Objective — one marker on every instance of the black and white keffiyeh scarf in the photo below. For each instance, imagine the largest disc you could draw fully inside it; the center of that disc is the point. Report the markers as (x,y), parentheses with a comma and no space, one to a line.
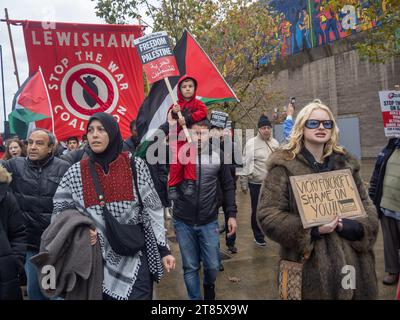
(120,272)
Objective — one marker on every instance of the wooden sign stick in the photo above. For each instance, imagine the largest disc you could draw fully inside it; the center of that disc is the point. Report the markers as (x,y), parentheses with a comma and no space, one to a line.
(174,100)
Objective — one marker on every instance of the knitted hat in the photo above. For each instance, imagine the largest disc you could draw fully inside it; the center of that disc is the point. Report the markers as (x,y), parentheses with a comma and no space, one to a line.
(264,121)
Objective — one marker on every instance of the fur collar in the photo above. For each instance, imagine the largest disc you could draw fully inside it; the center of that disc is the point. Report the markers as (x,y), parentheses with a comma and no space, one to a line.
(299,165)
(5,179)
(5,176)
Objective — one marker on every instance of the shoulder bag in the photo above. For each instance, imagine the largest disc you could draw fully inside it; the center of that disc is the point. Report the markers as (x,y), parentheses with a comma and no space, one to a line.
(124,239)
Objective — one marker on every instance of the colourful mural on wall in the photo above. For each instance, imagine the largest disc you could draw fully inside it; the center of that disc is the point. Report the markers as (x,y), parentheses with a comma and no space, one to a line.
(301,24)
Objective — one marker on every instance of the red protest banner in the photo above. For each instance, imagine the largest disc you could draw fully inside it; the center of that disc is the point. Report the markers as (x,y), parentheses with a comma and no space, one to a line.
(87,68)
(157,57)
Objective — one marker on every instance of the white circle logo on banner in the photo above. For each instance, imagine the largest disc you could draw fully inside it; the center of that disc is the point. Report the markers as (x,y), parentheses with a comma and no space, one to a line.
(88,88)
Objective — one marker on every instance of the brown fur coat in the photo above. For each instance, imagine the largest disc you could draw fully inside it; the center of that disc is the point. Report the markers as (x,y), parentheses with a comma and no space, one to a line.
(279,219)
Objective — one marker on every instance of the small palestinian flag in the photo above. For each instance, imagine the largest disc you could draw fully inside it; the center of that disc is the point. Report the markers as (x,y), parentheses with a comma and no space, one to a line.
(191,59)
(31,103)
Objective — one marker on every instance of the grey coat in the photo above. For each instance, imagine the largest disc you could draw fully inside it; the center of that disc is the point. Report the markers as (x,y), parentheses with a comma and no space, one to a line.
(78,265)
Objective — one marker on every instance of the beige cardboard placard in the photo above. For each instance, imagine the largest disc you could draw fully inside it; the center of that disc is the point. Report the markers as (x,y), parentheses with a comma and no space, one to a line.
(320,197)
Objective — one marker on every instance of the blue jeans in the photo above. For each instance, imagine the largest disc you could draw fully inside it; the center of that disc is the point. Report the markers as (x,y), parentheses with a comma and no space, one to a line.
(198,243)
(33,288)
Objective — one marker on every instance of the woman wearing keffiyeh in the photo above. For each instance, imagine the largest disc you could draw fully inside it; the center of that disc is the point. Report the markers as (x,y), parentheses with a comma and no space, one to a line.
(125,277)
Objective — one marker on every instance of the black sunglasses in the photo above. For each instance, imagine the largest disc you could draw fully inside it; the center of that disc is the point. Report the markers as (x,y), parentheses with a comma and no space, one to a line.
(314,124)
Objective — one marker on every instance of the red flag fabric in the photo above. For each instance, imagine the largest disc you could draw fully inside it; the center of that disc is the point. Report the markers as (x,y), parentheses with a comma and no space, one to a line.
(33,96)
(88,68)
(191,60)
(213,87)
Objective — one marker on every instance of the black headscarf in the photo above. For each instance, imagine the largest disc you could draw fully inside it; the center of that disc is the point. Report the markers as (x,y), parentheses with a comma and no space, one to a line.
(115,143)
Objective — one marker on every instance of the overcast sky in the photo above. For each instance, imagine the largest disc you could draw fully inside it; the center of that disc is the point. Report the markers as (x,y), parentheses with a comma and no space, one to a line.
(42,10)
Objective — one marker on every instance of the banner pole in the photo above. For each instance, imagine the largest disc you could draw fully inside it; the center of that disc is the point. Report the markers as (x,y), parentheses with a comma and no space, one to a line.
(174,100)
(6,133)
(12,47)
(48,98)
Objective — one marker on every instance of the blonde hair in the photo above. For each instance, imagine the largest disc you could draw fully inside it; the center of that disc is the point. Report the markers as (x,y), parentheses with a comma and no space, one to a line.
(296,141)
(5,176)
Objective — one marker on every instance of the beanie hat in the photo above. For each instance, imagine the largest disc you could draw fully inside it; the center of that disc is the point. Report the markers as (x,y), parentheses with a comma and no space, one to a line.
(264,121)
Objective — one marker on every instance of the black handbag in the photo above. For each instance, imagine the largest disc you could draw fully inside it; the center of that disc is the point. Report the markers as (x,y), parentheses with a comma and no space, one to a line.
(124,239)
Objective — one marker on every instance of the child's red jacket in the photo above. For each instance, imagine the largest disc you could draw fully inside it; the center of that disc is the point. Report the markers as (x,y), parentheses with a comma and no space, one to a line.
(193,110)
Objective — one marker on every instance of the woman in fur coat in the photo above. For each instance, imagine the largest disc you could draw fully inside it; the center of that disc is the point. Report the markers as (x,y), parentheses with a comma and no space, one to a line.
(329,249)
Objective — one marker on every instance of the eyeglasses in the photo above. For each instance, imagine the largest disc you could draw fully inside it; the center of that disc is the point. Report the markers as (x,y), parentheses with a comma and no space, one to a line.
(314,124)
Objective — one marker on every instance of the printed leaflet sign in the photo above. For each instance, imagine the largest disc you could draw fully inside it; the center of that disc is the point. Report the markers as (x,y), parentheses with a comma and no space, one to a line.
(390,106)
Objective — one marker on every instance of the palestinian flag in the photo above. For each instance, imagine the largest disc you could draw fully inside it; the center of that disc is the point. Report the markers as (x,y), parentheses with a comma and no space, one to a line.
(191,59)
(31,103)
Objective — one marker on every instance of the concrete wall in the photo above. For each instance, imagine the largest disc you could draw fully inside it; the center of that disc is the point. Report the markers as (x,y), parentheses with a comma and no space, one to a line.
(336,75)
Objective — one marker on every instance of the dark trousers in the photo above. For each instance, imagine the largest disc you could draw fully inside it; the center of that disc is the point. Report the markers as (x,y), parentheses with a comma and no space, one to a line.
(254,193)
(143,287)
(391,243)
(230,241)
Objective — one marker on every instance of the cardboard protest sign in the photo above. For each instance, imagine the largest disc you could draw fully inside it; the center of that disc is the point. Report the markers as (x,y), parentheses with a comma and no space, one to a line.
(320,197)
(219,119)
(157,56)
(390,106)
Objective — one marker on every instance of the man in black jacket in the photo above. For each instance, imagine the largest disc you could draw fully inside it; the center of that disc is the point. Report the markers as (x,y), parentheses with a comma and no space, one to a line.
(12,241)
(35,180)
(196,217)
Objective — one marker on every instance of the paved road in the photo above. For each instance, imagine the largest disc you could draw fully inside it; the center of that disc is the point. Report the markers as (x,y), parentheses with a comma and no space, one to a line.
(251,273)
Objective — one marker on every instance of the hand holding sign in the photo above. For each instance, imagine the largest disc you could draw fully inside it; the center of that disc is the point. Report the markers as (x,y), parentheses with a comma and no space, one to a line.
(329,227)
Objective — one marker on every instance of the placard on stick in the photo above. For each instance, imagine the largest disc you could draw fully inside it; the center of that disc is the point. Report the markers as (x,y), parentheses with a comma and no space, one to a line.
(157,56)
(219,119)
(159,63)
(320,197)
